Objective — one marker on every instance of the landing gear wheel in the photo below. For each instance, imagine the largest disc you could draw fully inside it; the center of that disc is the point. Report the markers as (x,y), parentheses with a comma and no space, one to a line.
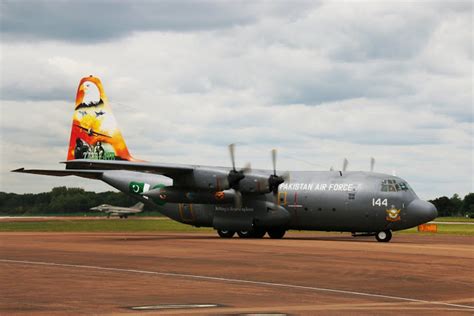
(276,233)
(223,233)
(258,233)
(383,236)
(245,233)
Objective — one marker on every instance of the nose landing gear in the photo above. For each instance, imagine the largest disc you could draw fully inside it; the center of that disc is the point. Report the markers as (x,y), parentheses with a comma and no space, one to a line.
(383,236)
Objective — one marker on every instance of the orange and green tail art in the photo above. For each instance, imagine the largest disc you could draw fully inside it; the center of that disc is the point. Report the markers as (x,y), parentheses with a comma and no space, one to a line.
(94,132)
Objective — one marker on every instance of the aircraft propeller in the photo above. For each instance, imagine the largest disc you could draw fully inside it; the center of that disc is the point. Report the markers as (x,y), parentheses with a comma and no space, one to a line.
(235,176)
(372,164)
(275,180)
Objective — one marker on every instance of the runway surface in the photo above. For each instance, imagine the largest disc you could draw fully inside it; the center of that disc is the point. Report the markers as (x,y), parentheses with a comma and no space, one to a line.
(303,274)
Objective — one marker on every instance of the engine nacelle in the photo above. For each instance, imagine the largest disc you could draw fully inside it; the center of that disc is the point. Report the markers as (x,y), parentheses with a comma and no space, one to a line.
(254,184)
(203,179)
(178,195)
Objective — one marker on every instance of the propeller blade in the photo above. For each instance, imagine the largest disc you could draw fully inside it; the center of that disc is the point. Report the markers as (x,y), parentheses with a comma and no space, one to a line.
(275,198)
(345,164)
(237,199)
(232,155)
(247,168)
(372,164)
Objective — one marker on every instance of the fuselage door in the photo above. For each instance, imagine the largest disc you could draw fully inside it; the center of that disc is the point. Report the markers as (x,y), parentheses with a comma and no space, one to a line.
(186,212)
(282,198)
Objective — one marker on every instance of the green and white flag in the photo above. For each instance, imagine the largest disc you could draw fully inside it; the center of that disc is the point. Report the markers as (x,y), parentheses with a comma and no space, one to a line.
(138,187)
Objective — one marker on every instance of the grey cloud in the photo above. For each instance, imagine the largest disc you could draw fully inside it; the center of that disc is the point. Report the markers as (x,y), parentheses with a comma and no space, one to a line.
(93,21)
(12,91)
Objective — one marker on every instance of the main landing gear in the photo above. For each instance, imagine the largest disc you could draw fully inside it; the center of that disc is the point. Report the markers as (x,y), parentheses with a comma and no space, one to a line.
(225,233)
(275,233)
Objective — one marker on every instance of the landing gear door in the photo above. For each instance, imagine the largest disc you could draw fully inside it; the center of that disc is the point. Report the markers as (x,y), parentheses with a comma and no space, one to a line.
(228,218)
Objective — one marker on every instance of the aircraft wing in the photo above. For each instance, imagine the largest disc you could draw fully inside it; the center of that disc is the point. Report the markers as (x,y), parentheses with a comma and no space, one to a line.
(91,174)
(169,170)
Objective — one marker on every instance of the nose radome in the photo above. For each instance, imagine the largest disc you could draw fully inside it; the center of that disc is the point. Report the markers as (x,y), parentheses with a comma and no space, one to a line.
(424,211)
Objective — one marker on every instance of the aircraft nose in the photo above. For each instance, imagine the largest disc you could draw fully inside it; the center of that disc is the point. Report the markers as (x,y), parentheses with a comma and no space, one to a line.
(424,211)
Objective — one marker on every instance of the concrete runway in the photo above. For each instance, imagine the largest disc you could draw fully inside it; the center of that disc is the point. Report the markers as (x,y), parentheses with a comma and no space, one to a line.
(303,274)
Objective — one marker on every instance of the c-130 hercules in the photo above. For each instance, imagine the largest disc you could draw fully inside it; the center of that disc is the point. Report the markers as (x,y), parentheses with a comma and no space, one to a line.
(249,202)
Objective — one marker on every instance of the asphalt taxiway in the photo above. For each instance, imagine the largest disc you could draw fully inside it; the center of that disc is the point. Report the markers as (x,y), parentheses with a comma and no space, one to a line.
(185,273)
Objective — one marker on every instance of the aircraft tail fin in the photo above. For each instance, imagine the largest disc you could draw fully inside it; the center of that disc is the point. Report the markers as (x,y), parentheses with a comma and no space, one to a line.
(138,206)
(94,132)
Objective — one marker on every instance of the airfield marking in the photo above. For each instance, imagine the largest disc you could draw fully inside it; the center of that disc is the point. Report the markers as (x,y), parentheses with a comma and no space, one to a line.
(242,281)
(173,306)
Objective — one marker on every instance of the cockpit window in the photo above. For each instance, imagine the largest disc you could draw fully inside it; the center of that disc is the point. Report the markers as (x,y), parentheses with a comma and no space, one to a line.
(391,185)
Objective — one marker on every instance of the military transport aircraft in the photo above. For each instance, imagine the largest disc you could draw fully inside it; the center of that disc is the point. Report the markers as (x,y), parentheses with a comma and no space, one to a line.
(249,202)
(119,211)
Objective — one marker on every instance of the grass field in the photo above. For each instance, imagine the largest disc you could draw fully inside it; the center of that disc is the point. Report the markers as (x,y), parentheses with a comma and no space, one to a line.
(454,219)
(462,230)
(100,225)
(159,225)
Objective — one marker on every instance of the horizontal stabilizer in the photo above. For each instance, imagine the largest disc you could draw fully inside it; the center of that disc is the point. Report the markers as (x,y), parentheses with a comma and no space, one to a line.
(91,174)
(139,206)
(169,170)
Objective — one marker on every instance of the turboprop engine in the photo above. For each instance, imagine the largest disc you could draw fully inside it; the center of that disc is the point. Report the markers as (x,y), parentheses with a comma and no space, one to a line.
(176,195)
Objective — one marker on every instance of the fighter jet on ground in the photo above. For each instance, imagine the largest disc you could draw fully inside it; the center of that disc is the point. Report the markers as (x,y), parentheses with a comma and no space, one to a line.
(247,201)
(119,211)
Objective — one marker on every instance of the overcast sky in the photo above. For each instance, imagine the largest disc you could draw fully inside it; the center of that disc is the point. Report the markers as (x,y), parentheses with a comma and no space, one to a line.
(320,81)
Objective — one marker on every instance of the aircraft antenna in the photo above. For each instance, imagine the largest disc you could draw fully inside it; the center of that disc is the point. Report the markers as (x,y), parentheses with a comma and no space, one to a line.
(372,164)
(345,163)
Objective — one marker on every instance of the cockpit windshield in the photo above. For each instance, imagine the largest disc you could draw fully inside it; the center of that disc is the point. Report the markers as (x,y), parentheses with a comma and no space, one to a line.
(392,185)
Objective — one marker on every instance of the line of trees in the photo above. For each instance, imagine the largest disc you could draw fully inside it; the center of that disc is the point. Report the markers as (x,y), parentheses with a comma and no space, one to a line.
(455,206)
(59,200)
(73,200)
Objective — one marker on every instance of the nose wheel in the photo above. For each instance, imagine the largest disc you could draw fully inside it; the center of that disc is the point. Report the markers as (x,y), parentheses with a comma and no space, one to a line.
(383,236)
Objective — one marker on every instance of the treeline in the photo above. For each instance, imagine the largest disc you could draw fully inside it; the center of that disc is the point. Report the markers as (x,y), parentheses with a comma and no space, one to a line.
(59,200)
(455,206)
(74,200)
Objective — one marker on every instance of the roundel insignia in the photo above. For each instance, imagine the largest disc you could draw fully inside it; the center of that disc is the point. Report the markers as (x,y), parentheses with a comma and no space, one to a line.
(393,214)
(219,195)
(162,200)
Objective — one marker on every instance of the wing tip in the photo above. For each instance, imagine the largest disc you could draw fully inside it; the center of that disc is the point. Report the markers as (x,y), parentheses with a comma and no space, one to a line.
(18,170)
